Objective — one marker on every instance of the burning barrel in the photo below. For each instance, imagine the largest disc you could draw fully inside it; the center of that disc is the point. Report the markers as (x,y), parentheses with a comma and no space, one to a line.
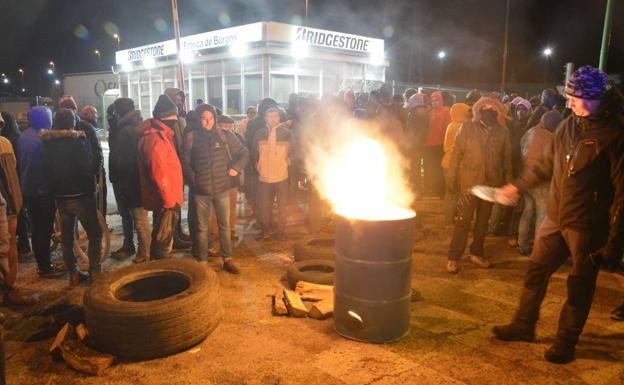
(373,277)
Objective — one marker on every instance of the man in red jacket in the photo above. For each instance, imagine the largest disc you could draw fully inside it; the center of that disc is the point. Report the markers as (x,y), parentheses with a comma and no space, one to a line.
(160,172)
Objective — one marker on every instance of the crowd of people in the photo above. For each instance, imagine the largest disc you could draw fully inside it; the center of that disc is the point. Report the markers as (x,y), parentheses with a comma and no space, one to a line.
(563,166)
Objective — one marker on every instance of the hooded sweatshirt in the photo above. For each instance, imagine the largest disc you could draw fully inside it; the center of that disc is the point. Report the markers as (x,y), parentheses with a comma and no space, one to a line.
(460,112)
(439,119)
(29,151)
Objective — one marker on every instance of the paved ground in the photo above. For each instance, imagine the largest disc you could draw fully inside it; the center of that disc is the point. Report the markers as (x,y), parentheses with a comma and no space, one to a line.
(449,342)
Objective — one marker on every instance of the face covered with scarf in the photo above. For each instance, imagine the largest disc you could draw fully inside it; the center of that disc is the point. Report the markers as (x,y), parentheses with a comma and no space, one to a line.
(489,115)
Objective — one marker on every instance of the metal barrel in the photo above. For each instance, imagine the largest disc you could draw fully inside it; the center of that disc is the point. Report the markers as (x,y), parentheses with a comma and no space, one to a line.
(373,278)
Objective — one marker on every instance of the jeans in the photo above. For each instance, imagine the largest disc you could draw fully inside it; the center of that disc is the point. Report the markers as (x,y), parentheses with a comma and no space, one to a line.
(143,230)
(41,210)
(23,242)
(127,224)
(214,226)
(203,208)
(162,233)
(267,193)
(532,215)
(85,209)
(467,204)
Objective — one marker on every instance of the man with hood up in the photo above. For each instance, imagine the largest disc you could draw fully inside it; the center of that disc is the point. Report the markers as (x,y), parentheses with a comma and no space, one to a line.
(251,174)
(439,119)
(37,195)
(585,210)
(160,173)
(70,172)
(460,112)
(481,155)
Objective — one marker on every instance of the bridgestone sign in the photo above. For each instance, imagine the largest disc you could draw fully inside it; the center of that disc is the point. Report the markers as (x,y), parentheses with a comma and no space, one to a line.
(332,39)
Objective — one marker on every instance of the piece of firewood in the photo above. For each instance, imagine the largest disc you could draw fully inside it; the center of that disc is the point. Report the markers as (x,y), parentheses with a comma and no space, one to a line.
(296,308)
(84,359)
(278,306)
(322,309)
(82,332)
(66,333)
(314,292)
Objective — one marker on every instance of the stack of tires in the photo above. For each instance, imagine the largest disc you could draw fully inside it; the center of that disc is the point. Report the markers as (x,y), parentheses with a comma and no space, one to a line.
(153,309)
(314,261)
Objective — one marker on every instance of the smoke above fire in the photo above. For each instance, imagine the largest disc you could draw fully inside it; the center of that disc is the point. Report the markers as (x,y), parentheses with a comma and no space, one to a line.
(358,170)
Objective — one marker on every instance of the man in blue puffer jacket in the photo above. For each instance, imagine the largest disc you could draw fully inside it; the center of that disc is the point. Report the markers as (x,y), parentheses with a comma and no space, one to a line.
(37,196)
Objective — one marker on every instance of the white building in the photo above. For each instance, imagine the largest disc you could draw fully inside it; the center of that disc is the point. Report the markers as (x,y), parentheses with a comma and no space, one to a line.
(236,67)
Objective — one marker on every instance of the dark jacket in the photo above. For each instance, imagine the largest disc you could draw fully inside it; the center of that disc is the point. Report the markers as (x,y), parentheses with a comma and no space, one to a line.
(585,165)
(68,163)
(206,161)
(128,185)
(29,146)
(94,143)
(533,144)
(9,181)
(417,125)
(160,170)
(113,151)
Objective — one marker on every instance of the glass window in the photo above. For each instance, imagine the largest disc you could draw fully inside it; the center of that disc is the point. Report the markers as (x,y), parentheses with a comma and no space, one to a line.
(213,68)
(214,92)
(253,90)
(353,71)
(309,85)
(331,84)
(309,67)
(232,66)
(281,87)
(375,72)
(282,64)
(198,90)
(253,64)
(145,106)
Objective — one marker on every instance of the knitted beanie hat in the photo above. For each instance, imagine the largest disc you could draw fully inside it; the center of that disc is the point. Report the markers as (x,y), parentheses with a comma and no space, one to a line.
(587,82)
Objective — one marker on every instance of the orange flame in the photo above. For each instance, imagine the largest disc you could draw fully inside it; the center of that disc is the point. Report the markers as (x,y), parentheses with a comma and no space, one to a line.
(359,173)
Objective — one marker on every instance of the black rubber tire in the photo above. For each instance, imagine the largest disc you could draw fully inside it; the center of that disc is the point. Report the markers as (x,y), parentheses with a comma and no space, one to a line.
(321,271)
(153,328)
(315,247)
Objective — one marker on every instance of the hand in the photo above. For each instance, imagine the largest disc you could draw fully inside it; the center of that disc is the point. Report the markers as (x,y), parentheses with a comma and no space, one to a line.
(610,255)
(233,172)
(510,192)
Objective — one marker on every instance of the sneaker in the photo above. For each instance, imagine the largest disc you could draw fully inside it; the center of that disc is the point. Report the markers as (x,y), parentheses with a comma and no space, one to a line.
(479,261)
(76,277)
(560,353)
(452,267)
(230,267)
(52,272)
(524,251)
(513,332)
(123,253)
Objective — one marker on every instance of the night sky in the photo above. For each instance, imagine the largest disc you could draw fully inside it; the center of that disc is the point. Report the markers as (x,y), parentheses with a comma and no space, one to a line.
(33,32)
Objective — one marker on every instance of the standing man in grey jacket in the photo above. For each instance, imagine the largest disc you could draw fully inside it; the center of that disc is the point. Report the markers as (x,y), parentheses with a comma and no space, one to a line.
(271,155)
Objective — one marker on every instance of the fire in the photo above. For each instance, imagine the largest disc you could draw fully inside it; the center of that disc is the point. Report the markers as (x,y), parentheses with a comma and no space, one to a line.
(360,175)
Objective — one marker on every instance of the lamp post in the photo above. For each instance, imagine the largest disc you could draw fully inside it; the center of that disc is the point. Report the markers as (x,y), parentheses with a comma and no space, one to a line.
(547,53)
(441,57)
(52,65)
(98,54)
(117,39)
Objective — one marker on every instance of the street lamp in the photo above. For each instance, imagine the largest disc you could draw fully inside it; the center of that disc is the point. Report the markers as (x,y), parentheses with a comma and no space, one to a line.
(52,65)
(547,51)
(21,72)
(441,55)
(98,54)
(50,71)
(57,82)
(118,39)
(5,80)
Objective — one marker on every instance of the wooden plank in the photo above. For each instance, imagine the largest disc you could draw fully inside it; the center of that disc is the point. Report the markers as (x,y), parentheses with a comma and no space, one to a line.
(278,306)
(84,359)
(322,309)
(296,308)
(66,333)
(314,292)
(82,332)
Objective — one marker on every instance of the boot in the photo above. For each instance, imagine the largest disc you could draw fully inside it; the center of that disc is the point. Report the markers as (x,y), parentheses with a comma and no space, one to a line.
(76,277)
(522,328)
(123,252)
(179,243)
(561,352)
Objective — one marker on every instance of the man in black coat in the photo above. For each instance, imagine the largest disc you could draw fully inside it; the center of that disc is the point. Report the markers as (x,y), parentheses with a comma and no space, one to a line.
(70,171)
(585,219)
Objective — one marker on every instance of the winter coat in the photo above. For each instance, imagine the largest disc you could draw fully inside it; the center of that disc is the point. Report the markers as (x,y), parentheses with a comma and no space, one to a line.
(128,185)
(94,143)
(10,130)
(585,166)
(460,112)
(9,181)
(439,119)
(113,151)
(29,150)
(255,125)
(5,243)
(68,163)
(271,153)
(534,143)
(517,129)
(160,170)
(481,155)
(417,126)
(206,160)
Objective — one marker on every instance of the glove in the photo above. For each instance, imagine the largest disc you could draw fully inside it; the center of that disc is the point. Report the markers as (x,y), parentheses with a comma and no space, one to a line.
(609,256)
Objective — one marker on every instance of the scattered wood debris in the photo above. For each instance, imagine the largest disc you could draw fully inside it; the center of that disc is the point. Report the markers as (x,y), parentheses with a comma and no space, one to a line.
(84,359)
(278,306)
(314,292)
(66,333)
(296,308)
(322,309)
